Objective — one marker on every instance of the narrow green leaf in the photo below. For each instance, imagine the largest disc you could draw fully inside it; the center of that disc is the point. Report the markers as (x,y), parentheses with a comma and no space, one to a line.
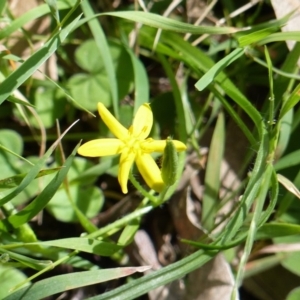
(32,14)
(258,208)
(292,100)
(272,230)
(81,244)
(40,201)
(234,114)
(273,196)
(102,45)
(141,83)
(209,76)
(234,224)
(182,121)
(14,99)
(287,161)
(256,36)
(3,5)
(212,175)
(281,36)
(286,123)
(14,181)
(15,79)
(129,232)
(27,261)
(33,172)
(281,83)
(201,63)
(53,8)
(271,86)
(165,23)
(62,283)
(138,287)
(170,163)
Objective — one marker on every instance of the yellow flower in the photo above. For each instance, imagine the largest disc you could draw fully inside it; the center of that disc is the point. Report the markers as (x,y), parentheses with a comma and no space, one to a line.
(134,146)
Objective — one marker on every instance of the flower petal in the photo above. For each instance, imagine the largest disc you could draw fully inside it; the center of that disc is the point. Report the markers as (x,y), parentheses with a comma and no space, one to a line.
(142,122)
(101,147)
(150,171)
(151,145)
(112,123)
(126,161)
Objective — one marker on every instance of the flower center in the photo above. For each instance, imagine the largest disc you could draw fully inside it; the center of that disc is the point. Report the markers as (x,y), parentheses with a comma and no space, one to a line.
(132,144)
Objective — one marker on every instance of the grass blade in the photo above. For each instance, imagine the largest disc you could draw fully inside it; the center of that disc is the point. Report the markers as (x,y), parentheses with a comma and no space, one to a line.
(20,75)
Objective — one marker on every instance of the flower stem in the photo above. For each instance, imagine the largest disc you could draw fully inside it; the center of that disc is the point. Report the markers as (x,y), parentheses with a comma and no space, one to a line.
(137,185)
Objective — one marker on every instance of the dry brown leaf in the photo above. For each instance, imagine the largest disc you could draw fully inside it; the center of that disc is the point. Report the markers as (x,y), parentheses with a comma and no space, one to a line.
(145,254)
(279,248)
(212,281)
(282,8)
(288,185)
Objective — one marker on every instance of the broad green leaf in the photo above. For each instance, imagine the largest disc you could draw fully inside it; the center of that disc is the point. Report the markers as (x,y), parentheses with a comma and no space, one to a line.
(294,294)
(89,89)
(61,208)
(11,147)
(9,277)
(87,56)
(49,103)
(11,140)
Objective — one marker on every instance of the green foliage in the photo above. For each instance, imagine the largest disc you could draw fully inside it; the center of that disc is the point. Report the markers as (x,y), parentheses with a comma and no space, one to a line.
(57,208)
(86,88)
